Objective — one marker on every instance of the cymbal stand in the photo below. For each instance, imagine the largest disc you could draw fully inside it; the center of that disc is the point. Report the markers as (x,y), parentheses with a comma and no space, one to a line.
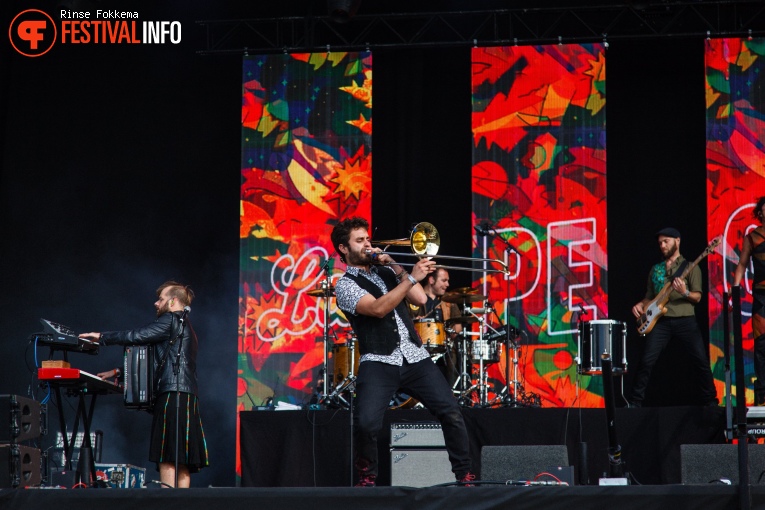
(463,384)
(484,353)
(483,377)
(506,398)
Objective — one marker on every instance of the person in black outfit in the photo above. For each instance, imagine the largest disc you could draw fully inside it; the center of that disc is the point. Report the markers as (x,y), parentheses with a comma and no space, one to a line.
(392,355)
(170,334)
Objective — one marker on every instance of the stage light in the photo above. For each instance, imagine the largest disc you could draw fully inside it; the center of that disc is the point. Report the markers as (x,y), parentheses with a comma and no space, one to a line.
(341,11)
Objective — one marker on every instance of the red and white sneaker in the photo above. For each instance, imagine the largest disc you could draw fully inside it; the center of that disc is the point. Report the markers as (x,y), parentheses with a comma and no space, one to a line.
(367,481)
(467,479)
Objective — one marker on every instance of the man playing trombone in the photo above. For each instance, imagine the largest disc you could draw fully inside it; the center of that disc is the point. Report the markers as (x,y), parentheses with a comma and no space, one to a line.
(372,295)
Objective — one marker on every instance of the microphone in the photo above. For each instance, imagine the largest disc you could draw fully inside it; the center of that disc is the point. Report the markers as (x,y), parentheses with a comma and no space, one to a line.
(482,229)
(186,309)
(374,256)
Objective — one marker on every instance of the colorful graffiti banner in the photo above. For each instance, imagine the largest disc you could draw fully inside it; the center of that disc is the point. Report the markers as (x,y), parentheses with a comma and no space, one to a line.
(735,150)
(539,179)
(306,162)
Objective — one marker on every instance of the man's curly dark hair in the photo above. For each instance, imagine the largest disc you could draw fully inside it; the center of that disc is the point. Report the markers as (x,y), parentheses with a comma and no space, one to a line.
(341,234)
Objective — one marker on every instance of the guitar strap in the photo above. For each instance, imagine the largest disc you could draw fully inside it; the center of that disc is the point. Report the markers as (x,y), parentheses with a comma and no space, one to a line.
(679,270)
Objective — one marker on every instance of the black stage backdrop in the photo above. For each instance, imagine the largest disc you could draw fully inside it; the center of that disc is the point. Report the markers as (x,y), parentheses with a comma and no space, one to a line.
(120,169)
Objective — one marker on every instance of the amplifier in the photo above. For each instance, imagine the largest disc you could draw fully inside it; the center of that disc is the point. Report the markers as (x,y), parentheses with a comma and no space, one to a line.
(122,476)
(416,435)
(412,467)
(20,466)
(139,377)
(21,419)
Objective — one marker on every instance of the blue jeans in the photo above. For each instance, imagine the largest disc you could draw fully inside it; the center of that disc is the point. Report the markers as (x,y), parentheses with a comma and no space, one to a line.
(677,329)
(375,386)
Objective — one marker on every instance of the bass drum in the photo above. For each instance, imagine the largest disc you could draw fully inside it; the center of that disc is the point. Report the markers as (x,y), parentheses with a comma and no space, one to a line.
(403,401)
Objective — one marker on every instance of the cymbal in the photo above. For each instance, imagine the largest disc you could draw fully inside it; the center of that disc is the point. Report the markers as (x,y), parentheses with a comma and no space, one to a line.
(330,292)
(453,297)
(468,319)
(464,290)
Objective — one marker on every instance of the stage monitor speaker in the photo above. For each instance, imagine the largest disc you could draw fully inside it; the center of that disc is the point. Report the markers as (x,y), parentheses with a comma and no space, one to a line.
(65,478)
(21,419)
(521,462)
(414,467)
(19,466)
(708,463)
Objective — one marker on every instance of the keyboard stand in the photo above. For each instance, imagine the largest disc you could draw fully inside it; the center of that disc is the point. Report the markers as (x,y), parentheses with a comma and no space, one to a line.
(86,469)
(82,385)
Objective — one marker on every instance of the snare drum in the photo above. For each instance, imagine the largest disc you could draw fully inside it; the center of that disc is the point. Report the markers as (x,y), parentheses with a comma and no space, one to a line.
(488,351)
(598,337)
(342,363)
(432,333)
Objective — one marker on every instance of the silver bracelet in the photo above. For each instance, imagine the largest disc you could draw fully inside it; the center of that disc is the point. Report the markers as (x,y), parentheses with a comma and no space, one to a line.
(412,280)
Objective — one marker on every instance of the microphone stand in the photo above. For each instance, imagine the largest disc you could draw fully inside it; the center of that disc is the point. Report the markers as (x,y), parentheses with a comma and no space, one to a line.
(508,400)
(615,462)
(326,286)
(176,375)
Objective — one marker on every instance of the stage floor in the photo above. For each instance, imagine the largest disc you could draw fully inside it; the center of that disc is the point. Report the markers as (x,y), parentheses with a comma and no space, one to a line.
(673,497)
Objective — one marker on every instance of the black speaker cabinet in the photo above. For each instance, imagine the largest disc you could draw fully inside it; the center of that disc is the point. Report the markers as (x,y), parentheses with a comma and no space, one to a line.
(415,467)
(521,462)
(21,419)
(708,463)
(19,466)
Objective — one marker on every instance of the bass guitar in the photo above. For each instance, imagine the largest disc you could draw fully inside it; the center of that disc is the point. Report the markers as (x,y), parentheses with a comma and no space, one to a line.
(658,307)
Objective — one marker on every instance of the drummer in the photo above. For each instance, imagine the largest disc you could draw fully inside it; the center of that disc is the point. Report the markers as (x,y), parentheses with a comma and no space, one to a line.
(435,286)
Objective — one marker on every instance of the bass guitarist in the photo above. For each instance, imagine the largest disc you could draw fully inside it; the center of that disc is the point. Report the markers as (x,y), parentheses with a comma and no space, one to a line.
(678,323)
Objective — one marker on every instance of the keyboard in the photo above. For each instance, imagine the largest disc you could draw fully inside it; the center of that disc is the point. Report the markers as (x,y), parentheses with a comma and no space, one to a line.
(59,336)
(73,377)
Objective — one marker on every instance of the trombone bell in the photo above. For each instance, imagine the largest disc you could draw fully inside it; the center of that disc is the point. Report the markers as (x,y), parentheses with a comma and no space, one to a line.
(425,239)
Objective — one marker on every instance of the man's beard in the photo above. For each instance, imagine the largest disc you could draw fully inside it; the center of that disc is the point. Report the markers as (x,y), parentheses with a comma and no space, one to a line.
(163,309)
(672,250)
(358,258)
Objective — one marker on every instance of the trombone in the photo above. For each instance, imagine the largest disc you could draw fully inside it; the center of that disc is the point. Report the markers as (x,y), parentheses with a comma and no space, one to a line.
(425,241)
